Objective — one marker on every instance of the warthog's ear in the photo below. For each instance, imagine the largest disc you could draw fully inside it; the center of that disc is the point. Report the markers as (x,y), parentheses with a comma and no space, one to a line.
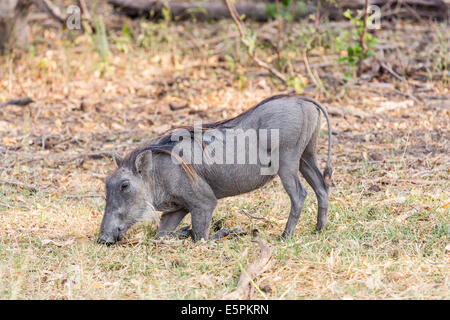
(117,159)
(143,161)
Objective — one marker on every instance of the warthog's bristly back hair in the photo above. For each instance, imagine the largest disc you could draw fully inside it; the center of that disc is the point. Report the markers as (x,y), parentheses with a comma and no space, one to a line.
(165,144)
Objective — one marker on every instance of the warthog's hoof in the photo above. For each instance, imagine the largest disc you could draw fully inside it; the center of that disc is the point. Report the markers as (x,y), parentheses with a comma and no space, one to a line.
(182,233)
(227,231)
(322,220)
(284,236)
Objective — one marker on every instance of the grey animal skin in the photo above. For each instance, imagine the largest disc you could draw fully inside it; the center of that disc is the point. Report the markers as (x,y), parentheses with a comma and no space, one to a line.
(148,180)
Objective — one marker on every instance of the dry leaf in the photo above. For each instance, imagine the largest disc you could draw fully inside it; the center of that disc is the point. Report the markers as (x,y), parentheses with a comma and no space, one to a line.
(57,243)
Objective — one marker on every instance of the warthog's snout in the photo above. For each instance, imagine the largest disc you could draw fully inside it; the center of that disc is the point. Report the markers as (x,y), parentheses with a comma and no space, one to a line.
(106,238)
(111,237)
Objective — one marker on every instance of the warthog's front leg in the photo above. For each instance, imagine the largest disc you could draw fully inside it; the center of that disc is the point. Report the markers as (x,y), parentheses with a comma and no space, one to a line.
(201,202)
(169,221)
(201,220)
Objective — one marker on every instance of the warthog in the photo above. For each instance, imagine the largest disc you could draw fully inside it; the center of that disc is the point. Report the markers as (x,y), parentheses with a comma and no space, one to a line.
(162,176)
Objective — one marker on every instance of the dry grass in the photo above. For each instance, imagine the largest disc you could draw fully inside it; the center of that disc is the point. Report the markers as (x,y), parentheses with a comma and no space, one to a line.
(366,253)
(389,223)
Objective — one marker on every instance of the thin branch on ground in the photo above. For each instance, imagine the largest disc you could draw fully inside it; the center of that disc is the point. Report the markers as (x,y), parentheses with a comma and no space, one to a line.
(318,13)
(52,10)
(80,196)
(85,10)
(251,216)
(242,32)
(20,184)
(17,102)
(280,30)
(395,74)
(314,76)
(251,271)
(362,40)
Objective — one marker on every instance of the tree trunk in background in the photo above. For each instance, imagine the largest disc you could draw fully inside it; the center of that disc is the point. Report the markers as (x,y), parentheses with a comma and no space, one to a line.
(13,24)
(256,10)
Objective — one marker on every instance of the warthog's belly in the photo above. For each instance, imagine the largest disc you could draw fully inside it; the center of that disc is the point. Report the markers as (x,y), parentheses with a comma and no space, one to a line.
(231,180)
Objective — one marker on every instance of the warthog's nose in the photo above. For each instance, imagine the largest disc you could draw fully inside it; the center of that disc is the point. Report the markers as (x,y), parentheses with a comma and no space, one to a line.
(106,239)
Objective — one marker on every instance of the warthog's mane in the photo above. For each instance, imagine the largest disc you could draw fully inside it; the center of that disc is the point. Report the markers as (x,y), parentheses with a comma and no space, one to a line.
(165,139)
(164,144)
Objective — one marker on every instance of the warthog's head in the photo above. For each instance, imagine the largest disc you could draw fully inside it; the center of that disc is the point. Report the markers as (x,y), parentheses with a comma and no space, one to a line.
(128,198)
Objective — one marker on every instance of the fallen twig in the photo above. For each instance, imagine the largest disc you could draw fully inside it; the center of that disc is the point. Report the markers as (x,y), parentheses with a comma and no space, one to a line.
(17,102)
(395,74)
(241,29)
(52,10)
(343,111)
(58,243)
(20,184)
(280,31)
(246,283)
(362,43)
(93,155)
(392,105)
(409,95)
(85,10)
(272,70)
(251,216)
(314,76)
(80,196)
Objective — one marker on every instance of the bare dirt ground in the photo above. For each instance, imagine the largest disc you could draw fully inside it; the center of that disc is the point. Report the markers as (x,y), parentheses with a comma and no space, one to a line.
(389,221)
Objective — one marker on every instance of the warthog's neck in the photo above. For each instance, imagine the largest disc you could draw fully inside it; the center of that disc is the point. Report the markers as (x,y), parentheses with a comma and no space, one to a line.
(157,196)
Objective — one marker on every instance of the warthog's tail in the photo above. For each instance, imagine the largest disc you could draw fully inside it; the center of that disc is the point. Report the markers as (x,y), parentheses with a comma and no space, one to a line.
(328,171)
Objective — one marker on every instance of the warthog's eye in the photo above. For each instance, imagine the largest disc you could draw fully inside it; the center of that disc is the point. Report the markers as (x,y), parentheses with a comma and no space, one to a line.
(124,186)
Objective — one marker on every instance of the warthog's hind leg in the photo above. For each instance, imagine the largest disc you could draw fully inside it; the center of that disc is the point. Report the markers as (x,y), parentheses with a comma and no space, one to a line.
(290,179)
(312,174)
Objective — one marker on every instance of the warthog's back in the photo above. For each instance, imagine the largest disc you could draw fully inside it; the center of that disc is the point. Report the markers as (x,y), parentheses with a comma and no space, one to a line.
(258,137)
